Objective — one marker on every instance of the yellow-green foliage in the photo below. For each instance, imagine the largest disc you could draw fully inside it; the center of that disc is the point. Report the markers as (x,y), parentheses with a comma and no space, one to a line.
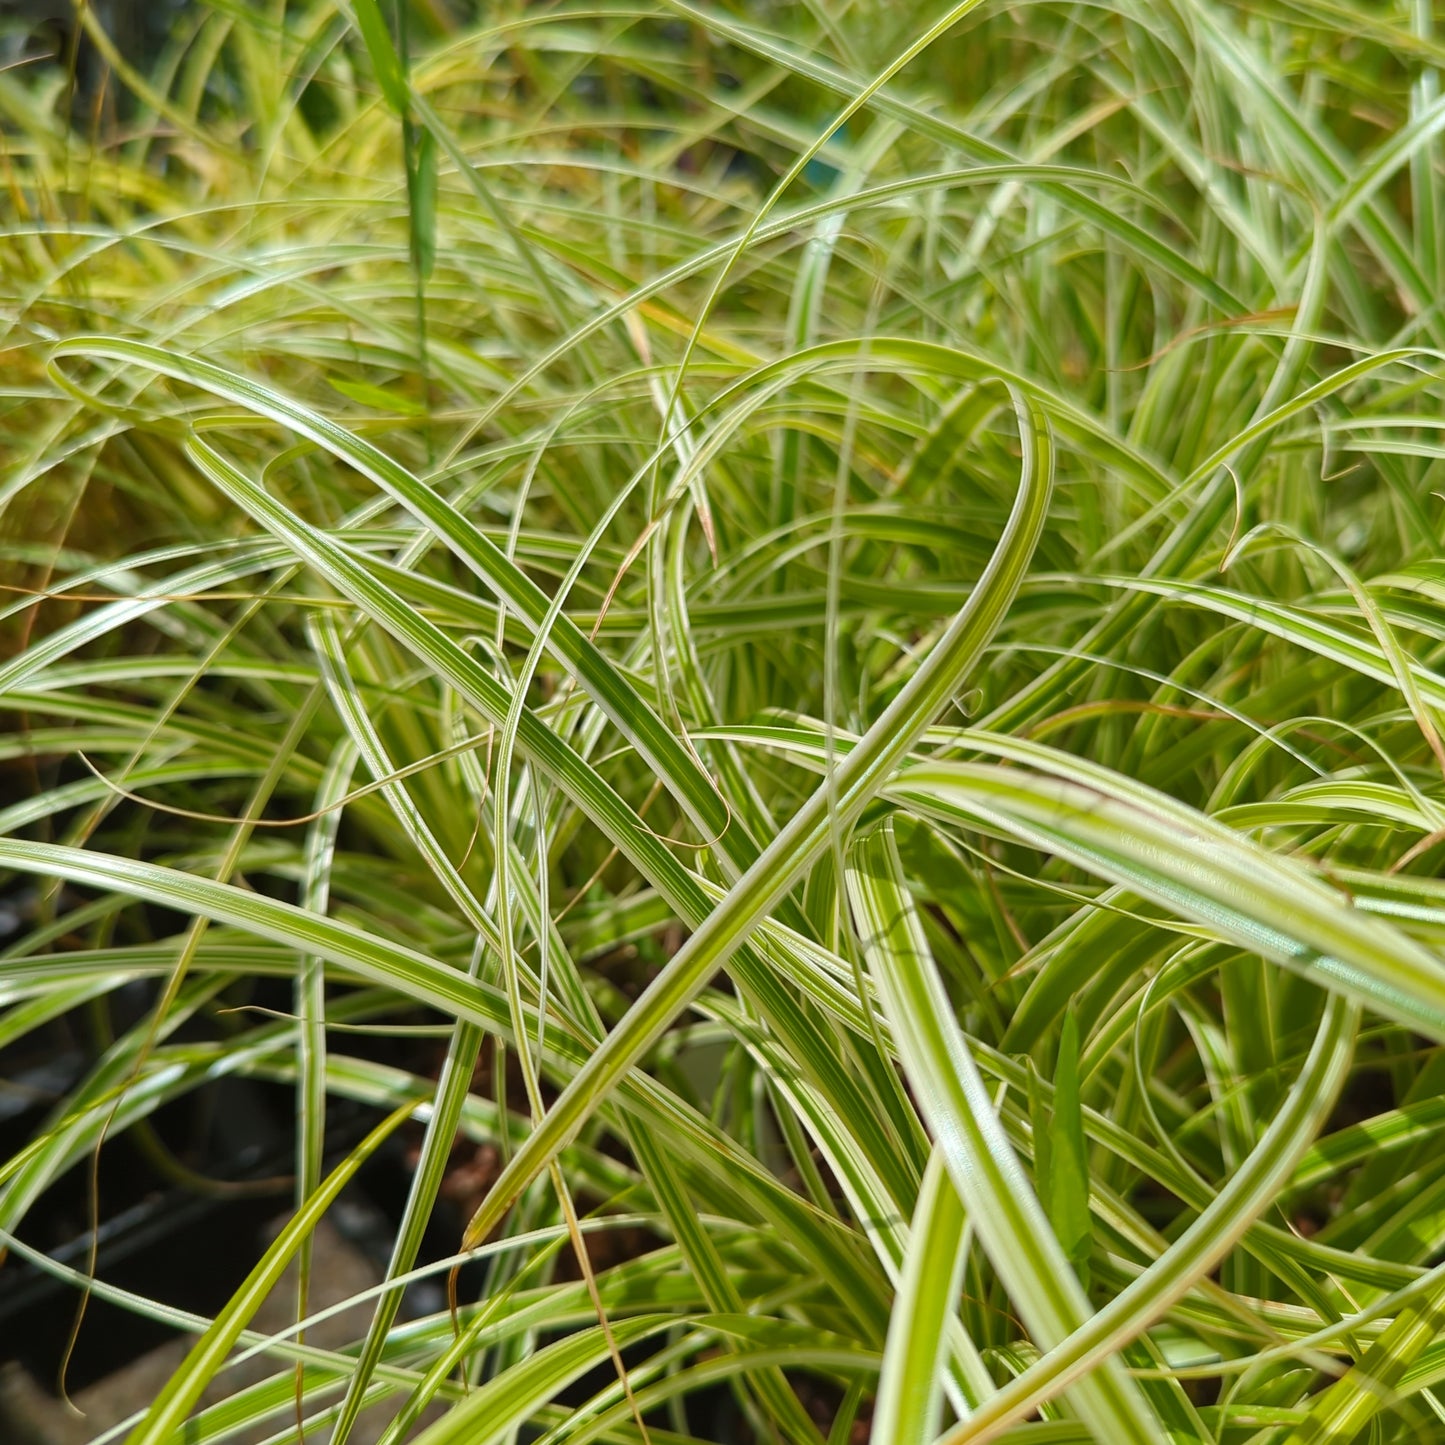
(850,595)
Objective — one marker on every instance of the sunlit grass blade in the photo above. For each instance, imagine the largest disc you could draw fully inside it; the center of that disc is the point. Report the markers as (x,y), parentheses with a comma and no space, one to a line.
(910,1387)
(174,1403)
(1010,1223)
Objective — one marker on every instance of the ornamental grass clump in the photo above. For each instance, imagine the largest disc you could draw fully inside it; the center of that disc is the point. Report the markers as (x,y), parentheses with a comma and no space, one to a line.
(815,631)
